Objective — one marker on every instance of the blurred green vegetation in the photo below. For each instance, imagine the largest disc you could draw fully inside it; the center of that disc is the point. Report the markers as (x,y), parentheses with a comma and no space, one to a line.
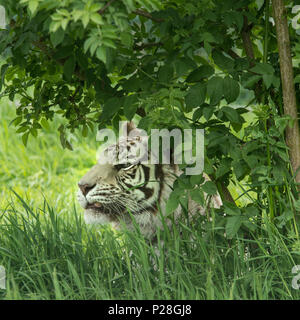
(43,168)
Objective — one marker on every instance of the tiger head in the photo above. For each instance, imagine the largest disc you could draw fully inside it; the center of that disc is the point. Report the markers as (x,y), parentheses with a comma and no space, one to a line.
(114,192)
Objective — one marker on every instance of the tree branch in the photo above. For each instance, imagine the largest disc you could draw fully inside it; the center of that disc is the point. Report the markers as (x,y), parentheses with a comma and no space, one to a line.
(247,42)
(40,45)
(105,6)
(147,45)
(222,189)
(147,15)
(288,88)
(233,54)
(138,12)
(227,195)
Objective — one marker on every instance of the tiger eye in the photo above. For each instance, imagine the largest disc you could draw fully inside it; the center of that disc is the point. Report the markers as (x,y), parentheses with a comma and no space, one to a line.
(121,166)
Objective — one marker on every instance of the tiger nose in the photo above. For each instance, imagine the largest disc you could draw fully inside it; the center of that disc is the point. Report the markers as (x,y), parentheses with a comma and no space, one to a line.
(85,188)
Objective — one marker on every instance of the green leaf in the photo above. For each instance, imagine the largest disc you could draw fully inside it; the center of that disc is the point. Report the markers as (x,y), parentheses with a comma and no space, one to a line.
(284,218)
(215,90)
(268,78)
(297,204)
(197,114)
(165,73)
(195,96)
(232,115)
(33,5)
(225,167)
(77,14)
(282,122)
(45,124)
(85,130)
(249,225)
(34,132)
(184,183)
(130,5)
(231,209)
(233,225)
(25,138)
(225,63)
(22,129)
(263,68)
(233,17)
(93,47)
(95,17)
(126,39)
(85,18)
(183,66)
(198,196)
(69,68)
(87,43)
(201,73)
(16,121)
(57,37)
(248,84)
(110,107)
(62,136)
(130,106)
(63,52)
(240,169)
(64,24)
(196,179)
(68,145)
(210,188)
(109,43)
(101,54)
(95,7)
(3,70)
(172,203)
(297,79)
(251,211)
(208,112)
(231,89)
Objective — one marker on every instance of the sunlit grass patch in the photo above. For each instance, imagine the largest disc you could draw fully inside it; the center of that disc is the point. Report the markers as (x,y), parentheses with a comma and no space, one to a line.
(43,167)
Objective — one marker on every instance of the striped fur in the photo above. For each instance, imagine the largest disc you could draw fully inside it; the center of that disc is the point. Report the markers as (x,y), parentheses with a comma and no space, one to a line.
(108,192)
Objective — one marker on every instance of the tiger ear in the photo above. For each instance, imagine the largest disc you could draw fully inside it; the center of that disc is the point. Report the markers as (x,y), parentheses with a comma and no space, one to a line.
(130,130)
(128,126)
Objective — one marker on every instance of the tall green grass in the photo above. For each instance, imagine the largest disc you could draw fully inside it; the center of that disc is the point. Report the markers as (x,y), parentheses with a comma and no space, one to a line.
(50,256)
(49,252)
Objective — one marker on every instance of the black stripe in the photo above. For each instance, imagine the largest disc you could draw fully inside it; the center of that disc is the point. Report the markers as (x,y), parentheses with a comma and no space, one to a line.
(146,172)
(159,175)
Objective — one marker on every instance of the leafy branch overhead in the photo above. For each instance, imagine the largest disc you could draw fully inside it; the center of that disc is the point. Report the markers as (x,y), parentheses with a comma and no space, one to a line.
(209,64)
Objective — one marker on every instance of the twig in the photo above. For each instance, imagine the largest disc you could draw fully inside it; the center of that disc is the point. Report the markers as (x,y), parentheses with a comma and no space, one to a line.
(147,45)
(40,45)
(147,15)
(233,54)
(106,6)
(138,12)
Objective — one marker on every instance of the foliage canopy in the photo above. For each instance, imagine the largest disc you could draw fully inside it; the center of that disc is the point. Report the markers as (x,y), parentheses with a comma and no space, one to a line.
(208,64)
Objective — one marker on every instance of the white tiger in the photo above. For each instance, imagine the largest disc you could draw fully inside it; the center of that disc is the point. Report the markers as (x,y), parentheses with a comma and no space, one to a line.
(108,192)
